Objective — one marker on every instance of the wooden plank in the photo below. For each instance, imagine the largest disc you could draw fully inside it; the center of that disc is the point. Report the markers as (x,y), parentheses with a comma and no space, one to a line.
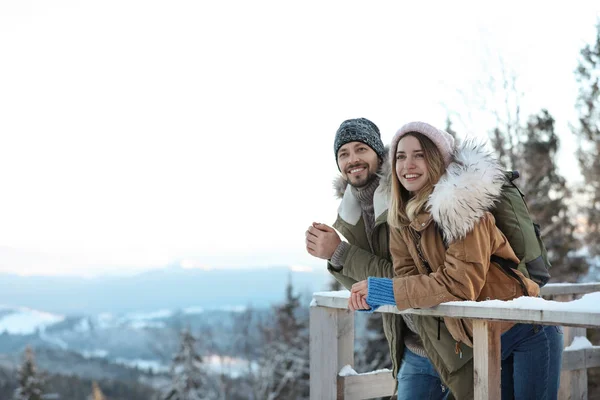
(331,347)
(553,289)
(486,360)
(592,357)
(367,386)
(567,376)
(469,309)
(579,384)
(571,359)
(581,359)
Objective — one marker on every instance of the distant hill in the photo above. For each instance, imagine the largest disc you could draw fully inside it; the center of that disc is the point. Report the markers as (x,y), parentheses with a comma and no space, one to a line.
(168,288)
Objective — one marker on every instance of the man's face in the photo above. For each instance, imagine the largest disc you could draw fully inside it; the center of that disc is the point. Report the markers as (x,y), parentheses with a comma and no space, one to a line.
(358,163)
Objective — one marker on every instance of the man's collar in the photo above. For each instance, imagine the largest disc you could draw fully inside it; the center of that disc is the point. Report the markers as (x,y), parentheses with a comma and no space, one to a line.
(350,211)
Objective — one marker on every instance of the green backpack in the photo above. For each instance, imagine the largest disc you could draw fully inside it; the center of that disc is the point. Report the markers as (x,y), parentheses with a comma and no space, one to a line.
(514,220)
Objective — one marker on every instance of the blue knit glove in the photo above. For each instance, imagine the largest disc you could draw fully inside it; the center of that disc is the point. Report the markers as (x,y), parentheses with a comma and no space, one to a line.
(380,292)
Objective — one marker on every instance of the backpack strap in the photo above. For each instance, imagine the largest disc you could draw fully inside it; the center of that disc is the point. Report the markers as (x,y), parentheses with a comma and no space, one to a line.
(509,267)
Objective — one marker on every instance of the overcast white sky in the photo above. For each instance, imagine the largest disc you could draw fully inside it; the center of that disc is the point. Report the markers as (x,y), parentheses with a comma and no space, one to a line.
(136,134)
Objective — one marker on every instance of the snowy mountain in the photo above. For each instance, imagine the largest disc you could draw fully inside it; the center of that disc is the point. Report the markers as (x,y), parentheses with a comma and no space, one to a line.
(89,326)
(171,288)
(145,340)
(24,321)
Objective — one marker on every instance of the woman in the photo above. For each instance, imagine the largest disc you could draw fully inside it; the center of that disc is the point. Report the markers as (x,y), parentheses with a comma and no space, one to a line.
(442,239)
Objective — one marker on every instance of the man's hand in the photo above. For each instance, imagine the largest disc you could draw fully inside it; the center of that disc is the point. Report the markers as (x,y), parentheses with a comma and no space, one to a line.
(358,296)
(321,240)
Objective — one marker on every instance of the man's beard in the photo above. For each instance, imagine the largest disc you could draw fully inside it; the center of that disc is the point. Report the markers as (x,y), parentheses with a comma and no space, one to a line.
(363,182)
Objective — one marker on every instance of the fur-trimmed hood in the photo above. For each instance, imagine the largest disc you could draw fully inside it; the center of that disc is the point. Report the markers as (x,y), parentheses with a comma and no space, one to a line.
(349,209)
(471,186)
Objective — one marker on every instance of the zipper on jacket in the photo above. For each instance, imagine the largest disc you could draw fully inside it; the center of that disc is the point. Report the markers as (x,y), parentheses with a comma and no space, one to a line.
(425,263)
(438,318)
(458,350)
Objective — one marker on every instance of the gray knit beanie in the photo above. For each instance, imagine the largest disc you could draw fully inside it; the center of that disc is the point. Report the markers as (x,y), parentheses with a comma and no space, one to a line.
(359,130)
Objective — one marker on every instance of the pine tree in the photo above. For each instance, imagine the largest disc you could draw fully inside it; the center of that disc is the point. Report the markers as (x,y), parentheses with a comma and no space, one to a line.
(449,128)
(547,196)
(507,134)
(97,392)
(245,329)
(284,367)
(588,134)
(30,383)
(531,147)
(188,379)
(334,285)
(375,351)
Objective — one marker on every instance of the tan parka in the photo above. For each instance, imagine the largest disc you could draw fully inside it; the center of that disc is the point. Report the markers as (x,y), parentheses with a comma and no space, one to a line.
(463,271)
(456,236)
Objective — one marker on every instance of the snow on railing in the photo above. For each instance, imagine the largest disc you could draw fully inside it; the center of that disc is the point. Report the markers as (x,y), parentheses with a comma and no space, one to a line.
(332,340)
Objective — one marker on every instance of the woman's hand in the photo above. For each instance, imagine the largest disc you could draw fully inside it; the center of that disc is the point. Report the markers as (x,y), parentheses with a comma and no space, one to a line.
(358,296)
(361,288)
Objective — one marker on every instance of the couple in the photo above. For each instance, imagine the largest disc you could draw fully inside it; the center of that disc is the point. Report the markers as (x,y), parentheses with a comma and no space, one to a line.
(420,233)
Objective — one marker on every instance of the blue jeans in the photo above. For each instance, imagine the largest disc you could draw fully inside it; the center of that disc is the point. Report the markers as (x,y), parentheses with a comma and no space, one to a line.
(531,361)
(417,379)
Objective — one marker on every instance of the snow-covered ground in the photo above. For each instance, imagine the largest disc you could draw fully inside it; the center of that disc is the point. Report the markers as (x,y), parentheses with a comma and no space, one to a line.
(146,365)
(25,321)
(231,366)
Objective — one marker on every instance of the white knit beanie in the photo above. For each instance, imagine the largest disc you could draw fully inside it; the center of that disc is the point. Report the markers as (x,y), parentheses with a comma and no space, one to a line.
(442,139)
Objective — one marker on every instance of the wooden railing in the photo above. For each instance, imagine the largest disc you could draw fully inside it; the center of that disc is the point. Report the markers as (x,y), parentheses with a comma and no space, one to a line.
(332,343)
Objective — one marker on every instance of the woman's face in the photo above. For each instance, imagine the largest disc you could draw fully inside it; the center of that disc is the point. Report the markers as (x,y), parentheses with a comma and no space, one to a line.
(411,166)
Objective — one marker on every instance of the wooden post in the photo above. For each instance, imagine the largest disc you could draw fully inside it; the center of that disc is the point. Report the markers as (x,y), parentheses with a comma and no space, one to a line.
(331,347)
(573,383)
(486,359)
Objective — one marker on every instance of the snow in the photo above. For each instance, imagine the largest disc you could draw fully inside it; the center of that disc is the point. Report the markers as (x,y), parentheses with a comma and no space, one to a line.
(25,321)
(142,364)
(99,353)
(342,294)
(147,324)
(105,320)
(231,366)
(588,303)
(579,342)
(147,320)
(235,309)
(83,325)
(53,340)
(159,314)
(347,370)
(193,310)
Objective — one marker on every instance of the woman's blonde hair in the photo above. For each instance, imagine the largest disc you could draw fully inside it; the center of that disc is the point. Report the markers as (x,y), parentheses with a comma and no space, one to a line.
(405,206)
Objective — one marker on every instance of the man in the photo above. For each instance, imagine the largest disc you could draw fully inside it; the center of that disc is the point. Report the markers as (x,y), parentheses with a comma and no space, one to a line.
(362,220)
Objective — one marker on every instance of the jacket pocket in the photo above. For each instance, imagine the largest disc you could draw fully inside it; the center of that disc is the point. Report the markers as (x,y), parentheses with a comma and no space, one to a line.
(444,347)
(498,291)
